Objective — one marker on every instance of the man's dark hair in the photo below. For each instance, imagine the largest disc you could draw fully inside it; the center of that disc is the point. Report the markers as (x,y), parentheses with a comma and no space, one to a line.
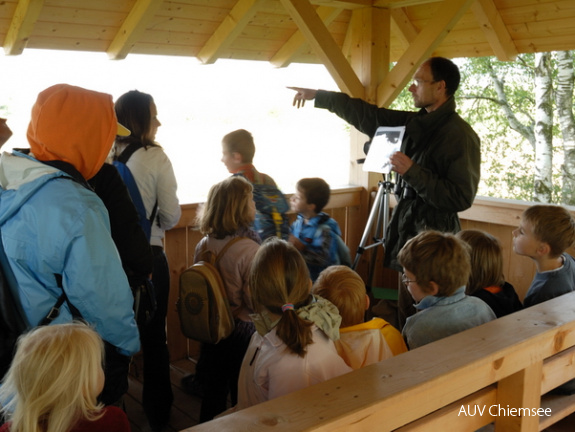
(444,69)
(316,191)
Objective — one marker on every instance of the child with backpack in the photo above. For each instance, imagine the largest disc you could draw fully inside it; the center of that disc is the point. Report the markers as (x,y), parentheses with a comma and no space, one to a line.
(228,213)
(238,151)
(54,381)
(314,233)
(293,347)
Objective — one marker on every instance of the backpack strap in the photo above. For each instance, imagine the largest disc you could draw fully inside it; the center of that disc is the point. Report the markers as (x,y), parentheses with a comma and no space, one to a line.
(226,247)
(130,149)
(55,310)
(123,158)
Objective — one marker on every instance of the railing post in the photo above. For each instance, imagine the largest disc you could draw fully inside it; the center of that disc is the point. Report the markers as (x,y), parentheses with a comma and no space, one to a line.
(521,390)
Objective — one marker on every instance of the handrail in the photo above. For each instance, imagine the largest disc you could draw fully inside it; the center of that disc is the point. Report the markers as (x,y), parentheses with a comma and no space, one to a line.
(503,365)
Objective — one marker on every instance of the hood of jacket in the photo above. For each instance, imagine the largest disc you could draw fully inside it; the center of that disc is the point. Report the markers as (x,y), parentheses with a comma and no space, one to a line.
(73,125)
(26,176)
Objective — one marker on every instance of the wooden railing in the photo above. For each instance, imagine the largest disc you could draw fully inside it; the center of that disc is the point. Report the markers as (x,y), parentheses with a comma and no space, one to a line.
(495,373)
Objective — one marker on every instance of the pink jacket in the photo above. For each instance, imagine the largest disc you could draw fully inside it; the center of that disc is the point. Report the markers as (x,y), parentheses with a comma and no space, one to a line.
(269,370)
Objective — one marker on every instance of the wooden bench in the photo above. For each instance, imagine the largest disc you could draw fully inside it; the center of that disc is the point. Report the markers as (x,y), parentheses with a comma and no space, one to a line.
(503,365)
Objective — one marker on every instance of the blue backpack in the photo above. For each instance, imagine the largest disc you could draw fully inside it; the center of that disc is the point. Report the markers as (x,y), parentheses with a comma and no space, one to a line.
(343,256)
(272,207)
(120,164)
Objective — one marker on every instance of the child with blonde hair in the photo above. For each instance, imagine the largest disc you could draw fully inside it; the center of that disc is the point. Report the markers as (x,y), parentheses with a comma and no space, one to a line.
(54,381)
(486,280)
(436,267)
(293,346)
(226,217)
(361,343)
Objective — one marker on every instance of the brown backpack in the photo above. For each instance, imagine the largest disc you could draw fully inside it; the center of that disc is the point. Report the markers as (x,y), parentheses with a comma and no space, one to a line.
(203,306)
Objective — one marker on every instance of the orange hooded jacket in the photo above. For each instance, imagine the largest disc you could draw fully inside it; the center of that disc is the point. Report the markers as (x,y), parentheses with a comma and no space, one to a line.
(73,125)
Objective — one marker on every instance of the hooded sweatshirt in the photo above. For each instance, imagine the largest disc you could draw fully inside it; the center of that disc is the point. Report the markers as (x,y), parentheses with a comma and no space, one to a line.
(73,125)
(52,225)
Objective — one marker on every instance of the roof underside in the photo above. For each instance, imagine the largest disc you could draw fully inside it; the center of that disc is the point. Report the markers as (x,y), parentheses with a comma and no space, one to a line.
(328,32)
(259,30)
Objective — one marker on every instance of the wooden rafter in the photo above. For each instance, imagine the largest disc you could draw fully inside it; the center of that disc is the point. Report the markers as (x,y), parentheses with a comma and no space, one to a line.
(325,47)
(229,29)
(296,42)
(344,4)
(132,28)
(446,17)
(494,30)
(21,26)
(404,29)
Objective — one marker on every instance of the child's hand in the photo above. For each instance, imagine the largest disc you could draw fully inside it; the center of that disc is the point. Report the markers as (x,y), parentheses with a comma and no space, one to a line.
(296,242)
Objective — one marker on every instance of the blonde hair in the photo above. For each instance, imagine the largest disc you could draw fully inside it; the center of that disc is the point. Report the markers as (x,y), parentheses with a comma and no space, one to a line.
(54,378)
(345,289)
(552,224)
(486,260)
(279,276)
(437,257)
(227,207)
(242,142)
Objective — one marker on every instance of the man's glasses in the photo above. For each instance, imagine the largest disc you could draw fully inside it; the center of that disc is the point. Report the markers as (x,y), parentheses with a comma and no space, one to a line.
(418,82)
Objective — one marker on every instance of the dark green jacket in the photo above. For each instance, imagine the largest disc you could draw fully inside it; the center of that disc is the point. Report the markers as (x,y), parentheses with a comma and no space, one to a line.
(446,155)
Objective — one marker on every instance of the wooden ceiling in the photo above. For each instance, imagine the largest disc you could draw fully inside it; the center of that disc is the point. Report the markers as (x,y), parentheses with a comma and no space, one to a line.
(287,31)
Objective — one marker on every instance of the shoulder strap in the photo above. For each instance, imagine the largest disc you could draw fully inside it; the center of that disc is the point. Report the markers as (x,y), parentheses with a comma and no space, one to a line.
(128,152)
(226,247)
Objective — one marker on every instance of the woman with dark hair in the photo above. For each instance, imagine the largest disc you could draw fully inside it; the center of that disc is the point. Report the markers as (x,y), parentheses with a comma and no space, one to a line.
(155,179)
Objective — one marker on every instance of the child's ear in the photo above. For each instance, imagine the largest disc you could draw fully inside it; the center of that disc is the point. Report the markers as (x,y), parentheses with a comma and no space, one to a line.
(543,249)
(433,288)
(367,302)
(237,157)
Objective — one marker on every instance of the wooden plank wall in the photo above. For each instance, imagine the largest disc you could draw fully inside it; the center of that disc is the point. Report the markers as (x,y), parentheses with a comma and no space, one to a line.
(498,217)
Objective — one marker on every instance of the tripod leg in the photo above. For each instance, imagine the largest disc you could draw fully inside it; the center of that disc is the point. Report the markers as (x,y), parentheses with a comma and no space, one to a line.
(372,216)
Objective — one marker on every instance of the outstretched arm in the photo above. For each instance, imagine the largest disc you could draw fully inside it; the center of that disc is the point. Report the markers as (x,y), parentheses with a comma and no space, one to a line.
(302,95)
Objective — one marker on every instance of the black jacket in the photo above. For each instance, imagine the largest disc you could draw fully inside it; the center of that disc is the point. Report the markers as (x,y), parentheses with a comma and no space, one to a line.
(446,170)
(130,240)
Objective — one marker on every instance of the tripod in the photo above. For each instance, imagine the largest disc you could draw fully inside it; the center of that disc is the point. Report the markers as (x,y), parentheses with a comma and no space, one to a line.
(380,213)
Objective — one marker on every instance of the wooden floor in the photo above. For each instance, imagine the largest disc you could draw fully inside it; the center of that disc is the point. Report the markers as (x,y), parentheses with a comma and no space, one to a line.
(185,411)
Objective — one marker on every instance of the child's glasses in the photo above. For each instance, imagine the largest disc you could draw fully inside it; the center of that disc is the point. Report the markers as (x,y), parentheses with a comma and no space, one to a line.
(405,280)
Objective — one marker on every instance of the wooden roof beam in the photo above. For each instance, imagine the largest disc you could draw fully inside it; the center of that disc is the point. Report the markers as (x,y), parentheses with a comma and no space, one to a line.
(296,42)
(494,30)
(343,4)
(446,17)
(134,24)
(232,25)
(404,29)
(21,26)
(391,4)
(321,41)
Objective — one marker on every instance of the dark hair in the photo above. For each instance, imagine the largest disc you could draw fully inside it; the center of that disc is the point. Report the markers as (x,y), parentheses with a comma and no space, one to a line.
(316,191)
(133,112)
(242,142)
(444,69)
